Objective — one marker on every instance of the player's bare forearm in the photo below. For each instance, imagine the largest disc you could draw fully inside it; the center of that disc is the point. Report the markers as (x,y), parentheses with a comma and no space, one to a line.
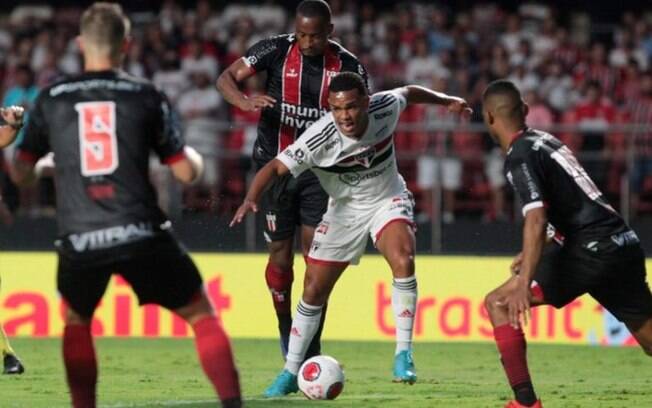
(264,179)
(228,87)
(534,239)
(7,135)
(260,183)
(415,94)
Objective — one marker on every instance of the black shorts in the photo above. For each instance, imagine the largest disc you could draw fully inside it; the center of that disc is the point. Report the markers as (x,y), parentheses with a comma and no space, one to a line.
(158,269)
(290,202)
(613,276)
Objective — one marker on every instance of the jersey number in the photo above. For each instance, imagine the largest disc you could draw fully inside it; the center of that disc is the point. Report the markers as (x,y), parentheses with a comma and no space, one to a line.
(569,163)
(98,144)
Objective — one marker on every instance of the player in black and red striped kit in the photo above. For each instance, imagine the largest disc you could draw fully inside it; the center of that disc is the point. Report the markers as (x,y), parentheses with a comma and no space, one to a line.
(299,68)
(101,127)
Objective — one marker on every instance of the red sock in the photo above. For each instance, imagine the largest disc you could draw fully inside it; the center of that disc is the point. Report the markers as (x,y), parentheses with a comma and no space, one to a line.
(81,366)
(279,283)
(214,351)
(512,347)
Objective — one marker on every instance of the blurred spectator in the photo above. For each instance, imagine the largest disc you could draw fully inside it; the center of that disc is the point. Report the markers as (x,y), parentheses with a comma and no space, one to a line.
(438,164)
(539,115)
(170,78)
(557,87)
(422,66)
(640,109)
(198,57)
(593,115)
(200,107)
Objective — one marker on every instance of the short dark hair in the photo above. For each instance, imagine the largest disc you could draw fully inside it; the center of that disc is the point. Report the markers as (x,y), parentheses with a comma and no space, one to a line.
(504,99)
(315,8)
(347,81)
(502,87)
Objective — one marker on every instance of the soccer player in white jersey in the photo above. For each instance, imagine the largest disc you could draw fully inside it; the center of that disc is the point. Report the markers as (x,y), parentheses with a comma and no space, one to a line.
(351,151)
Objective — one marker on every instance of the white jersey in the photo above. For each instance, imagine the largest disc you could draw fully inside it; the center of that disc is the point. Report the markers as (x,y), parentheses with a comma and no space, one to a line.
(355,172)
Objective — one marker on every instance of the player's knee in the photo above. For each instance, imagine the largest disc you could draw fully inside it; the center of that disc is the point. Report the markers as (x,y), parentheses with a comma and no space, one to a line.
(314,293)
(72,317)
(280,256)
(403,263)
(491,303)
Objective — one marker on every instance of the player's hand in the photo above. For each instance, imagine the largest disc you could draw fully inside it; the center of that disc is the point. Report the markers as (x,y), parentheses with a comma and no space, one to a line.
(245,207)
(460,106)
(257,102)
(515,267)
(517,301)
(13,115)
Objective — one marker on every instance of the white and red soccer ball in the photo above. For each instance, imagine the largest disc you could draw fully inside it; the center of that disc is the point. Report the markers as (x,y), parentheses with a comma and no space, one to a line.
(321,378)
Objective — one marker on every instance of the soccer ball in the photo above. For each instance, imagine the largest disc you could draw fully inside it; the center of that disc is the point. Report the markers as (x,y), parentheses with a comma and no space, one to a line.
(321,378)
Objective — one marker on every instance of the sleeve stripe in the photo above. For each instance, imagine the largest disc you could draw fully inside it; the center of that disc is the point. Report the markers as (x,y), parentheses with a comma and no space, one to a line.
(176,157)
(330,127)
(532,206)
(383,106)
(315,144)
(379,101)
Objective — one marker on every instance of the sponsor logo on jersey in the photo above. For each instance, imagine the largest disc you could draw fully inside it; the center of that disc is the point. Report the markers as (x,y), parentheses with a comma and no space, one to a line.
(110,237)
(354,178)
(315,245)
(365,155)
(382,115)
(251,60)
(296,155)
(298,116)
(332,143)
(292,73)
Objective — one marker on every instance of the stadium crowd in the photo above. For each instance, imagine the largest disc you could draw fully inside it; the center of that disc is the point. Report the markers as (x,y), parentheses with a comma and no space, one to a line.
(593,79)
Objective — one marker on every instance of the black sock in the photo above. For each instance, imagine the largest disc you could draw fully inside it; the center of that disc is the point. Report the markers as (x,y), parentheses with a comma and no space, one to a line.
(315,345)
(524,394)
(232,403)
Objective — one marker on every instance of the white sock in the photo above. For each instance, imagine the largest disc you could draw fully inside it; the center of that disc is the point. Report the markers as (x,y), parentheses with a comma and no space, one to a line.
(304,327)
(404,305)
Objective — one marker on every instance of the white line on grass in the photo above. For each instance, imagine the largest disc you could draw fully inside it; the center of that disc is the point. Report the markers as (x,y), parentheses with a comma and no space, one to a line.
(174,403)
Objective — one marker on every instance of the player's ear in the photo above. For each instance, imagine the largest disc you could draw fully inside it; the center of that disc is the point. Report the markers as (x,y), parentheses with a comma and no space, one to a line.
(80,43)
(331,27)
(526,109)
(126,44)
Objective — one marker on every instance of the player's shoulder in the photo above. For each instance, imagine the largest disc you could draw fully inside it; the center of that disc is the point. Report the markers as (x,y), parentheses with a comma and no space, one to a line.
(343,53)
(317,136)
(531,143)
(270,45)
(112,80)
(385,102)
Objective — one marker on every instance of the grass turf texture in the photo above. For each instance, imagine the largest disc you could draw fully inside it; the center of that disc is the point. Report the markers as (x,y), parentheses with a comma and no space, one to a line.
(165,373)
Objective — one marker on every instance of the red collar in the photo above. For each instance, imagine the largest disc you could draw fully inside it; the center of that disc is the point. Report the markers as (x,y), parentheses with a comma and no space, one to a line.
(516,136)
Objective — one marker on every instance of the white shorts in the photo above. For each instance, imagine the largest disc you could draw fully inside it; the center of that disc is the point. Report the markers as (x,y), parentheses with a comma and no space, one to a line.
(493,167)
(341,237)
(431,169)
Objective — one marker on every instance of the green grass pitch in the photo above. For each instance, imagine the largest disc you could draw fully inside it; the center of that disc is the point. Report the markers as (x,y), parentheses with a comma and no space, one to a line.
(165,373)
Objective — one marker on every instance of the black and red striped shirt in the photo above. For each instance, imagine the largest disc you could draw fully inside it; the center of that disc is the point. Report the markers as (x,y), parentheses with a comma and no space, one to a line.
(299,83)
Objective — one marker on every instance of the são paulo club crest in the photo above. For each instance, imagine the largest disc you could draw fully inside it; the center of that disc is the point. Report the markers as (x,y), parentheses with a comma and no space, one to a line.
(366,156)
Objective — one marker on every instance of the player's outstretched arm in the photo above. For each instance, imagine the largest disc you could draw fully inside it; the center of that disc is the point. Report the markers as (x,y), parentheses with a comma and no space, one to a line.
(189,169)
(227,84)
(13,118)
(418,94)
(262,180)
(534,239)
